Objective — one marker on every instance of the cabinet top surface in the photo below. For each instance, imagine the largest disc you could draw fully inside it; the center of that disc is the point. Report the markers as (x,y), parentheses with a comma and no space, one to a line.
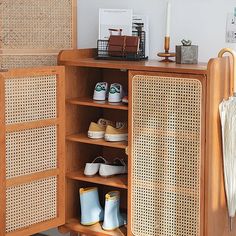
(147,65)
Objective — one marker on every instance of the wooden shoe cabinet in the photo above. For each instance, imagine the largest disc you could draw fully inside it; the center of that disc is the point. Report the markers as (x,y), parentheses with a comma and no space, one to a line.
(175,180)
(174,184)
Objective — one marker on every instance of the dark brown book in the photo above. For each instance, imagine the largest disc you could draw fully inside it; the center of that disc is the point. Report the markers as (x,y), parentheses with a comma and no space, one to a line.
(131,44)
(116,45)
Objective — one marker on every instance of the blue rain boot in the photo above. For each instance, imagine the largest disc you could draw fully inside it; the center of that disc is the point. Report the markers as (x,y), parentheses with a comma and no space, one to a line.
(112,217)
(91,210)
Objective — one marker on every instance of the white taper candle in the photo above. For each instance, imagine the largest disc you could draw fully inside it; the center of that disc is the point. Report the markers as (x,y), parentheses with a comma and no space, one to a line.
(168,19)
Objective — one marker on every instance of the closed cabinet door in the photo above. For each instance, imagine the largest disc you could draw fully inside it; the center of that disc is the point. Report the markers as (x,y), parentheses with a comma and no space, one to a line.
(31,150)
(166,154)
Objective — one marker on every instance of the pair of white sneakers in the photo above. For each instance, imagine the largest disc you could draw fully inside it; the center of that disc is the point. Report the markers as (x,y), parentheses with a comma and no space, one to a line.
(115,93)
(104,168)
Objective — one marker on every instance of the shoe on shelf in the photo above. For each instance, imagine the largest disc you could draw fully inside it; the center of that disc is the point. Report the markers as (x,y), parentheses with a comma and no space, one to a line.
(118,133)
(97,130)
(116,168)
(115,93)
(125,99)
(91,210)
(112,216)
(92,168)
(100,91)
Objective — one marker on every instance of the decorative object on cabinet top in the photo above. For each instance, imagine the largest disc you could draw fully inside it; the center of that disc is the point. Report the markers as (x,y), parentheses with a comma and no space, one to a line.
(186,53)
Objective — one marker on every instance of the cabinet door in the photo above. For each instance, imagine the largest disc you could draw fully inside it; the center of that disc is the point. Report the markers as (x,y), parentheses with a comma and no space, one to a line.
(166,154)
(31,150)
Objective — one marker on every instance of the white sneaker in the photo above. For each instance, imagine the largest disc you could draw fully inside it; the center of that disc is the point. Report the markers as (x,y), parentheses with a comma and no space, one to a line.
(115,93)
(116,168)
(100,91)
(93,168)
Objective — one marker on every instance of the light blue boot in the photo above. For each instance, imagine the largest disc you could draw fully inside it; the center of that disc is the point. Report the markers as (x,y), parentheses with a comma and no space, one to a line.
(91,210)
(112,217)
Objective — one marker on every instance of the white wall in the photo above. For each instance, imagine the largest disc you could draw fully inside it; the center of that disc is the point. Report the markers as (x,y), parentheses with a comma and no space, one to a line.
(202,21)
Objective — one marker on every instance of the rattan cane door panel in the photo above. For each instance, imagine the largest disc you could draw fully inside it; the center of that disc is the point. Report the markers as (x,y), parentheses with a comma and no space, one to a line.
(30,99)
(33,121)
(33,32)
(36,24)
(31,203)
(166,156)
(31,151)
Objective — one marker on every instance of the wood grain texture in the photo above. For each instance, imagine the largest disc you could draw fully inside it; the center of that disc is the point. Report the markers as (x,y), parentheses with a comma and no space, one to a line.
(92,103)
(129,151)
(22,52)
(2,158)
(32,177)
(118,181)
(61,144)
(74,24)
(31,125)
(28,72)
(149,65)
(94,230)
(83,138)
(76,54)
(216,215)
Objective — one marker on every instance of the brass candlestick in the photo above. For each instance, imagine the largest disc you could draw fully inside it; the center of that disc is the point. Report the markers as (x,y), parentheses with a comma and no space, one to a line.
(166,54)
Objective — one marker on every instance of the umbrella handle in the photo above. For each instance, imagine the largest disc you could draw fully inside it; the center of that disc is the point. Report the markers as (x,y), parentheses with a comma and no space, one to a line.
(233,53)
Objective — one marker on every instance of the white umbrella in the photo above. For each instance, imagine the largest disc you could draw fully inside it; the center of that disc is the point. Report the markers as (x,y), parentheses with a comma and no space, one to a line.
(228,124)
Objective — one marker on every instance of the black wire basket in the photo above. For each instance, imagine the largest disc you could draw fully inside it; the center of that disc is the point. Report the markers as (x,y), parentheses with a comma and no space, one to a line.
(102,50)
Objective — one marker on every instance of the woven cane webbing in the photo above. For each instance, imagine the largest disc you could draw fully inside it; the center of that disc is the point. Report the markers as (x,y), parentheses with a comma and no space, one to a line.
(31,203)
(166,143)
(30,99)
(24,61)
(31,151)
(36,24)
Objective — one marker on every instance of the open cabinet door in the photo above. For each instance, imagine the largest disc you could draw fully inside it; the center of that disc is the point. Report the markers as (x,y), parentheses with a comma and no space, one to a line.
(32,169)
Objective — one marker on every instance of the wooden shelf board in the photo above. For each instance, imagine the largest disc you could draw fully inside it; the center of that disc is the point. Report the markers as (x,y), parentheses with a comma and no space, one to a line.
(93,230)
(83,138)
(103,104)
(143,65)
(118,181)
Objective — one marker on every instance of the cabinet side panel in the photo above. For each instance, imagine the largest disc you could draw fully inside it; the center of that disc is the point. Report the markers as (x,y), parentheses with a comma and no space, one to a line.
(166,156)
(216,215)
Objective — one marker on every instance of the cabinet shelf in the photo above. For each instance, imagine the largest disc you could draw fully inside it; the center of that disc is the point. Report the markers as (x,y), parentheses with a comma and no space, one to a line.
(118,181)
(94,230)
(83,138)
(102,104)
